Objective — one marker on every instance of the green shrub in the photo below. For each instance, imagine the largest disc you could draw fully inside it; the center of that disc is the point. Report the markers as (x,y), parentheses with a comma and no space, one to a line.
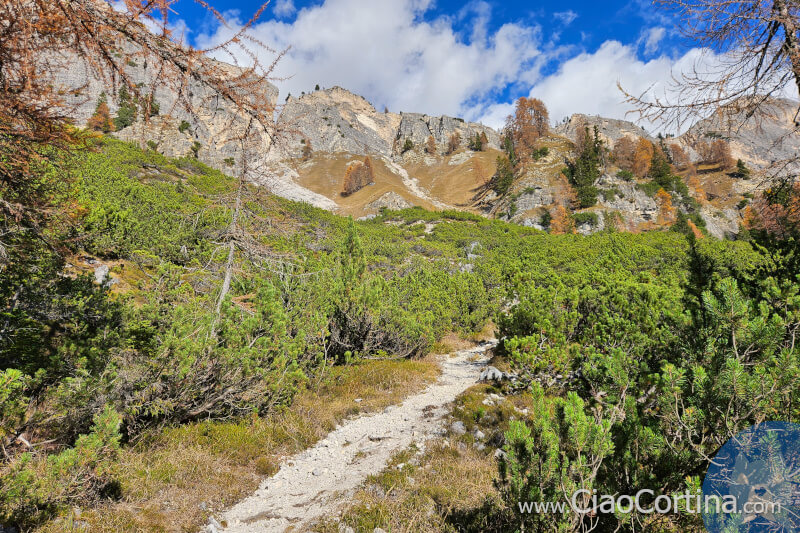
(626,175)
(586,217)
(504,177)
(36,488)
(584,172)
(610,194)
(127,109)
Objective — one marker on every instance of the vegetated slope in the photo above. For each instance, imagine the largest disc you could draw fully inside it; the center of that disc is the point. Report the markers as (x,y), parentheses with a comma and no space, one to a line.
(426,160)
(90,371)
(431,162)
(714,195)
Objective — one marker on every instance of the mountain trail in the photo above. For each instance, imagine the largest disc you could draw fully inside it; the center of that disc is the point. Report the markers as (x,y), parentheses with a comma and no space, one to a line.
(316,482)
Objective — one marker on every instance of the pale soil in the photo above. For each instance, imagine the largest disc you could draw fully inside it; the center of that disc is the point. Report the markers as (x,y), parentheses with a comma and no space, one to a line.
(315,483)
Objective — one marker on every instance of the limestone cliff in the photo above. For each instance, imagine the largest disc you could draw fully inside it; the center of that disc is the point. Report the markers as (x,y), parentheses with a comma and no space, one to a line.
(769,137)
(213,122)
(336,120)
(610,129)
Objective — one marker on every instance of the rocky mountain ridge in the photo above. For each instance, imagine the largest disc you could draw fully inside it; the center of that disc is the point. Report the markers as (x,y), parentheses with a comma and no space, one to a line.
(324,132)
(610,129)
(765,140)
(337,120)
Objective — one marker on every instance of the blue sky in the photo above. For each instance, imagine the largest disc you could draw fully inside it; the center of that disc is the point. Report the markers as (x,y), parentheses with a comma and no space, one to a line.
(470,59)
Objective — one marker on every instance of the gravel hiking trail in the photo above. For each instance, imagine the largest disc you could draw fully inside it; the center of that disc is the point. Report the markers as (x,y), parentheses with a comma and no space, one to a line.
(316,482)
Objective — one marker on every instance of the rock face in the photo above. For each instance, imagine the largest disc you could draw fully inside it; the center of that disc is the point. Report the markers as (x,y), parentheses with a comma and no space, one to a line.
(213,123)
(390,200)
(336,120)
(610,129)
(768,137)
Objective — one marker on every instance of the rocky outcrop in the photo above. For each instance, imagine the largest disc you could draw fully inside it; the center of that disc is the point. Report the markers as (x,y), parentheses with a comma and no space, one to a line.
(610,129)
(418,127)
(336,120)
(390,200)
(213,123)
(767,138)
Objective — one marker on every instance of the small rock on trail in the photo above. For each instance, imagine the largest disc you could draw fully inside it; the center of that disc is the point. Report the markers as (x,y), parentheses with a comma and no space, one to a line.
(314,483)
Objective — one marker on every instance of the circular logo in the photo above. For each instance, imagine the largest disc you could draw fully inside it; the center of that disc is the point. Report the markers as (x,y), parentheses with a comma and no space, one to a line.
(753,483)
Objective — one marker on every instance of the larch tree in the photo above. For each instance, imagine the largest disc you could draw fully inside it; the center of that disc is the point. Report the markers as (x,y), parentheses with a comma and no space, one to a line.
(680,158)
(717,152)
(430,145)
(357,176)
(642,158)
(623,153)
(561,222)
(529,122)
(453,143)
(666,211)
(101,119)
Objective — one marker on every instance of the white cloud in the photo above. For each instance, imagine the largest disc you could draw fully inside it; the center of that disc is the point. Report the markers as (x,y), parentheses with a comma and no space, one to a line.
(284,8)
(494,115)
(565,17)
(587,83)
(385,51)
(652,39)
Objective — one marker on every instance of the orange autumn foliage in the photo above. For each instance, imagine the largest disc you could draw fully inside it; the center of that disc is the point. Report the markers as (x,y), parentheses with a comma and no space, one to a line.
(357,176)
(695,230)
(624,152)
(642,158)
(717,152)
(561,222)
(666,211)
(529,122)
(779,218)
(430,145)
(680,158)
(696,188)
(101,120)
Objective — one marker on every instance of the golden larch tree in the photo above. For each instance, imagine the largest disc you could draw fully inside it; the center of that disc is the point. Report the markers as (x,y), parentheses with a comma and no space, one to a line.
(666,211)
(430,145)
(357,176)
(530,121)
(453,143)
(624,152)
(560,220)
(680,158)
(642,158)
(101,119)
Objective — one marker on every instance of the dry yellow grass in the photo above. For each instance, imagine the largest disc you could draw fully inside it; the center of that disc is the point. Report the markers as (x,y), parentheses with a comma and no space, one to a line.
(323,174)
(449,487)
(452,184)
(173,480)
(456,184)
